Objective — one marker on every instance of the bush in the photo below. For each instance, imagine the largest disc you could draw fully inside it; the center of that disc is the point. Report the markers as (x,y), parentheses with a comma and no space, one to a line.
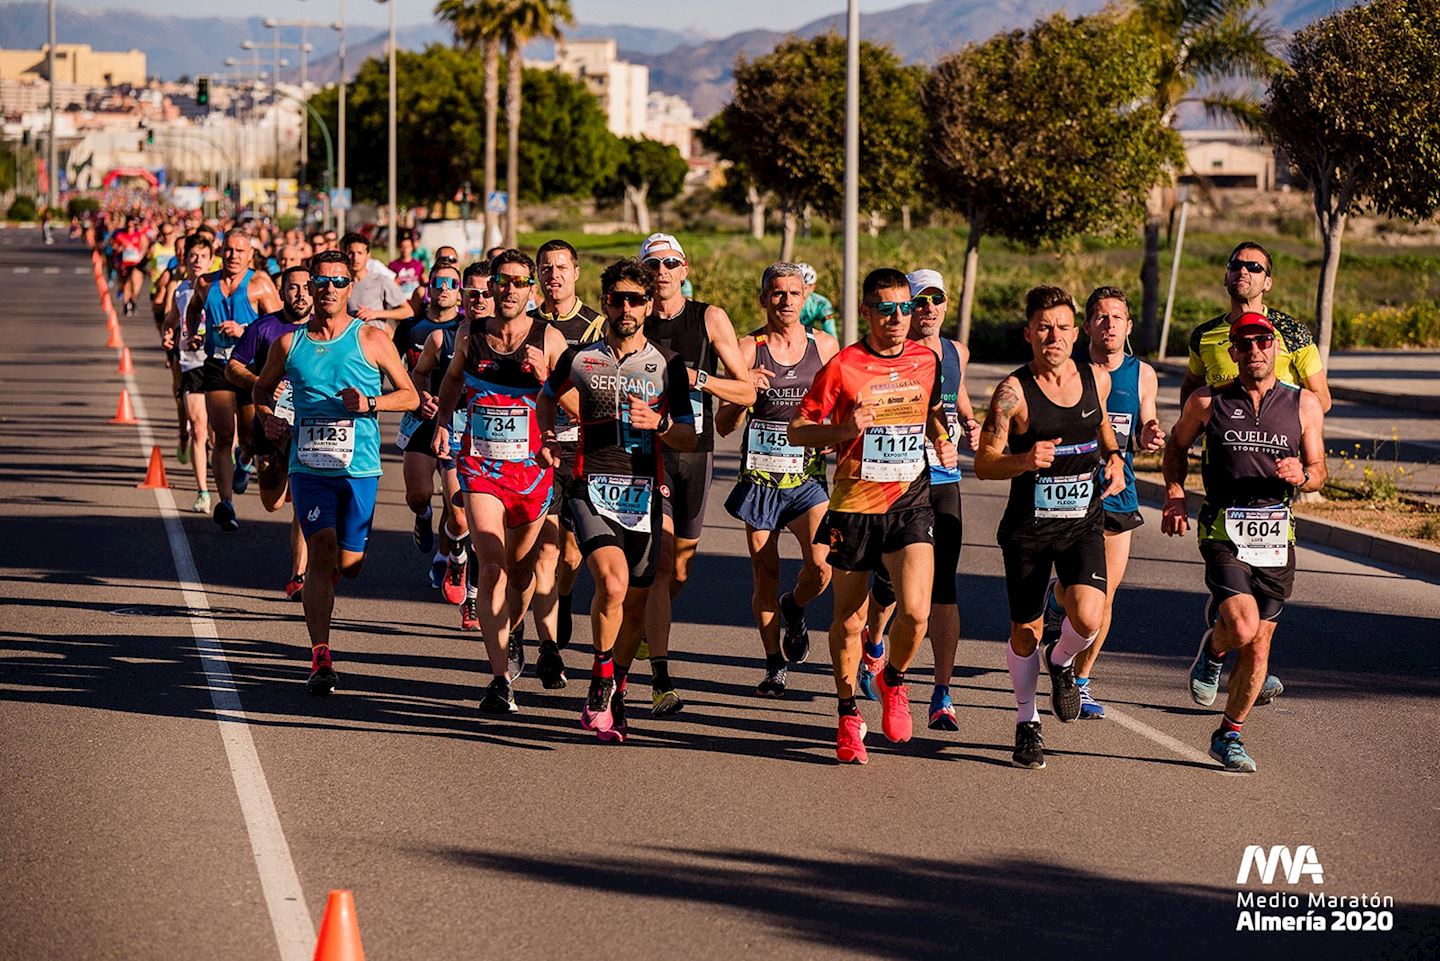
(22,209)
(1417,325)
(80,206)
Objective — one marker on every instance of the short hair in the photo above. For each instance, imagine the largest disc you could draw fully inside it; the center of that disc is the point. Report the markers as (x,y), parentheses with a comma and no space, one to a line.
(775,271)
(1252,245)
(1044,297)
(550,246)
(628,269)
(200,239)
(512,256)
(353,238)
(1104,293)
(285,274)
(480,268)
(206,229)
(439,267)
(330,257)
(884,278)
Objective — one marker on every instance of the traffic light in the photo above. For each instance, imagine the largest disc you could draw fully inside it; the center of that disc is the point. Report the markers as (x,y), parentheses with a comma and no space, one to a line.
(202,91)
(150,137)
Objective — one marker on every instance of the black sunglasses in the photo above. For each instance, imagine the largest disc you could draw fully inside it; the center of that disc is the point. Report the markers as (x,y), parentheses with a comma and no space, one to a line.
(1243,344)
(1254,266)
(629,298)
(669,263)
(325,280)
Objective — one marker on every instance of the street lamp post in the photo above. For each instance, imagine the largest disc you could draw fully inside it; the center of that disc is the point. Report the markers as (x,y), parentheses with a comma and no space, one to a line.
(305,23)
(340,161)
(52,195)
(276,46)
(393,219)
(850,312)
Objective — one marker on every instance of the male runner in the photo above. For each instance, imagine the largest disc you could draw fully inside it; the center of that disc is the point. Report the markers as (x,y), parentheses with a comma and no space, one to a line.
(377,299)
(225,303)
(1263,444)
(877,402)
(407,268)
(273,458)
(704,338)
(189,361)
(444,257)
(1051,415)
(818,313)
(629,396)
(334,366)
(161,255)
(131,245)
(501,364)
(781,486)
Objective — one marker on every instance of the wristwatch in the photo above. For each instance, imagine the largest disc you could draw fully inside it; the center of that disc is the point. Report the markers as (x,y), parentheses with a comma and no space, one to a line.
(372,402)
(701,379)
(1307,479)
(666,422)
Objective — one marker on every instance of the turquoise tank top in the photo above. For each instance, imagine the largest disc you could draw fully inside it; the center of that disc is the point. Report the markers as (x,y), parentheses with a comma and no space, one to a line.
(1124,410)
(329,440)
(219,308)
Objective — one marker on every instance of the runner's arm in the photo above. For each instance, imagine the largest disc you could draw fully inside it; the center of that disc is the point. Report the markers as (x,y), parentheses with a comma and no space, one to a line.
(262,289)
(1151,436)
(1007,405)
(727,348)
(454,377)
(196,308)
(263,390)
(1318,382)
(681,433)
(729,416)
(1113,465)
(382,353)
(1312,447)
(1174,515)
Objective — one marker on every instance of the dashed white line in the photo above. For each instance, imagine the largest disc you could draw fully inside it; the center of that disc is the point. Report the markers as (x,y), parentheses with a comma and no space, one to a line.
(21,270)
(1164,740)
(51,270)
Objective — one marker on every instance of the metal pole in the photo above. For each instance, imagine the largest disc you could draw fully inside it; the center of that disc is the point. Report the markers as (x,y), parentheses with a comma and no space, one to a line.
(275,109)
(304,92)
(340,163)
(394,221)
(850,282)
(1174,270)
(52,196)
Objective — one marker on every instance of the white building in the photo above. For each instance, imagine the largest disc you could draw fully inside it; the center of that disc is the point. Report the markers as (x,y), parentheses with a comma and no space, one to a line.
(1228,160)
(670,119)
(622,88)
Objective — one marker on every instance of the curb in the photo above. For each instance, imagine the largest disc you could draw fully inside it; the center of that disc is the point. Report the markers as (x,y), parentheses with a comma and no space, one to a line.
(1395,551)
(1356,395)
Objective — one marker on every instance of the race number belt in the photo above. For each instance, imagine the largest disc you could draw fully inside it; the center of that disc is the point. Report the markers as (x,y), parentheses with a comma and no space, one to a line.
(893,452)
(500,433)
(768,448)
(624,498)
(1261,535)
(325,443)
(1063,496)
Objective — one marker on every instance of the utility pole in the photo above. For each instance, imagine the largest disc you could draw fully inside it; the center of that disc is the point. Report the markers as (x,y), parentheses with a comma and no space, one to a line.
(52,196)
(850,318)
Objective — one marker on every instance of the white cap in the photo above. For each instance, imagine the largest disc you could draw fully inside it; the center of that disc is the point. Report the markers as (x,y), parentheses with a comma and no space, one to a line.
(924,279)
(655,243)
(807,273)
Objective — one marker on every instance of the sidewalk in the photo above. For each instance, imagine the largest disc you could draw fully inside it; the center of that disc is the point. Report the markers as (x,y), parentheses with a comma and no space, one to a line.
(1407,380)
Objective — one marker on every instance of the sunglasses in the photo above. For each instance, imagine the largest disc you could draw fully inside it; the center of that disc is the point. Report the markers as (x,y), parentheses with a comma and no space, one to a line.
(1254,266)
(505,281)
(445,260)
(669,263)
(922,300)
(628,298)
(325,280)
(475,291)
(887,308)
(444,283)
(1243,344)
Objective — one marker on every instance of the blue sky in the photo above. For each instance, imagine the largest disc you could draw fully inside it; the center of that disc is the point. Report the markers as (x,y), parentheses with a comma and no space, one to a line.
(704,15)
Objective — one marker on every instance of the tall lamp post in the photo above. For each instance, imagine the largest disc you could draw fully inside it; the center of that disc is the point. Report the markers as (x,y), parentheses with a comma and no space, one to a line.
(52,195)
(851,310)
(393,218)
(274,45)
(304,23)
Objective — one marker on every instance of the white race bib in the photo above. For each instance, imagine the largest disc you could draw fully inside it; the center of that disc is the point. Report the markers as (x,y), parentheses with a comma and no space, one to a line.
(1122,424)
(326,444)
(893,452)
(408,425)
(192,359)
(567,431)
(768,448)
(1261,535)
(623,498)
(1060,497)
(697,407)
(285,404)
(500,433)
(952,430)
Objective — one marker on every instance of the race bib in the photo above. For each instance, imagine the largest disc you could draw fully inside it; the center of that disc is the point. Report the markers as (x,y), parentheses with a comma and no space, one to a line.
(192,359)
(129,255)
(566,430)
(222,353)
(285,404)
(500,433)
(952,430)
(1261,535)
(1059,497)
(623,498)
(697,407)
(325,444)
(893,452)
(768,448)
(408,425)
(1122,424)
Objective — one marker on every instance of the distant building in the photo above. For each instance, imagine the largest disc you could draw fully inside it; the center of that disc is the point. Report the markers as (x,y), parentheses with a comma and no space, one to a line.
(1228,160)
(75,63)
(622,88)
(670,119)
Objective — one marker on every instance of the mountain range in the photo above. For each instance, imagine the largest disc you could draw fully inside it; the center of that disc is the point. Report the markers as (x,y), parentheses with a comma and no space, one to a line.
(697,68)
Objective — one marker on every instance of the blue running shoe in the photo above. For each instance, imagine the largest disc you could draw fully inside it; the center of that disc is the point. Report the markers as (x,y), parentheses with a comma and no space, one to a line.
(1205,673)
(243,468)
(1272,689)
(942,712)
(1226,748)
(1090,709)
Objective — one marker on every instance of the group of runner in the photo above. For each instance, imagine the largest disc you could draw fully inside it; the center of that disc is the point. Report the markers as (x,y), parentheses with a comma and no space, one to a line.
(565,438)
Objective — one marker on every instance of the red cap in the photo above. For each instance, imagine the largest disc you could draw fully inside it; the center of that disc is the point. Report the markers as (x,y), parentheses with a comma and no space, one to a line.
(1251,321)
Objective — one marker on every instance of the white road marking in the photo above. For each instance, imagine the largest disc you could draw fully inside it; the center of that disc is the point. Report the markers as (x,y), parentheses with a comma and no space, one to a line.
(81,270)
(51,270)
(21,270)
(1169,743)
(289,916)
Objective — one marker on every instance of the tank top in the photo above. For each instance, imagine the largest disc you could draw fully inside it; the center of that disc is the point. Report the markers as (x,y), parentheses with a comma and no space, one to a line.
(1064,498)
(685,335)
(500,392)
(583,325)
(1123,406)
(766,455)
(330,440)
(220,308)
(950,401)
(1242,446)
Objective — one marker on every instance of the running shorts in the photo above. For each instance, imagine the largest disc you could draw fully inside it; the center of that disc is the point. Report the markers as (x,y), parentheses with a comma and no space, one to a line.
(859,542)
(1078,559)
(345,505)
(1227,575)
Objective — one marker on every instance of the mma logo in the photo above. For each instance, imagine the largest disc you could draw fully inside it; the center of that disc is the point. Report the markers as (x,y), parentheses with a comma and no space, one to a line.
(1303,862)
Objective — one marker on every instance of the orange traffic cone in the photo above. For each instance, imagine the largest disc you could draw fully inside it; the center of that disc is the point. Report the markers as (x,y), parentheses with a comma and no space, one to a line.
(126,365)
(110,318)
(155,473)
(339,930)
(124,413)
(115,342)
(105,303)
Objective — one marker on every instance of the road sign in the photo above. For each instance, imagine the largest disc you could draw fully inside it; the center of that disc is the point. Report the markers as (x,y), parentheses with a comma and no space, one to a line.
(339,199)
(498,202)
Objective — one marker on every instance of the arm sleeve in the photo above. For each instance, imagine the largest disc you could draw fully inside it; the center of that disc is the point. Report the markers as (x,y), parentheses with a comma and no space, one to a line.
(559,380)
(677,391)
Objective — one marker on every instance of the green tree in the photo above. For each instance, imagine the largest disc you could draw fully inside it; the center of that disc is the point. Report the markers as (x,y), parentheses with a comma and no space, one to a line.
(787,123)
(738,191)
(478,24)
(649,172)
(1044,135)
(566,147)
(1355,111)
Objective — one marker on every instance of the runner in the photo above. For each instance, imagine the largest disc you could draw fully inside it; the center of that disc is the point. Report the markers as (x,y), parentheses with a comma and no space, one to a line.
(560,557)
(408,270)
(502,363)
(781,486)
(818,313)
(376,299)
(1051,413)
(876,402)
(1263,444)
(444,257)
(225,303)
(246,361)
(629,396)
(189,362)
(131,246)
(334,366)
(704,338)
(162,254)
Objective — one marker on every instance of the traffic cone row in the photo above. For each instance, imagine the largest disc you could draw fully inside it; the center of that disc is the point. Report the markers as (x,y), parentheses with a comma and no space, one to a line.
(339,938)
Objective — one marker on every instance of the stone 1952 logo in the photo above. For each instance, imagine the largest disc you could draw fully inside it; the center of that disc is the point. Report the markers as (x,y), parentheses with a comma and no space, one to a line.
(1270,911)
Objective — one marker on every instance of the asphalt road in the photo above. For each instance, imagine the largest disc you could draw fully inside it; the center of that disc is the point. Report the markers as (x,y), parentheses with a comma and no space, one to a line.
(172,792)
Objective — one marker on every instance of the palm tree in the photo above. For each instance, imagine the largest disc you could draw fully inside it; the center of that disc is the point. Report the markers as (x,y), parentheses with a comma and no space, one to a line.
(481,23)
(1206,42)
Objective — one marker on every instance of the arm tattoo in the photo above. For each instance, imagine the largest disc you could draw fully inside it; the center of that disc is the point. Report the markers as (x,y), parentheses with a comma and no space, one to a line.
(1002,407)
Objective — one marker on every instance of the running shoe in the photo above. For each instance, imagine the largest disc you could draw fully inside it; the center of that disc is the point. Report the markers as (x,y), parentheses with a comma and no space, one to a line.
(1054,614)
(550,667)
(1205,673)
(869,667)
(1090,709)
(516,649)
(942,713)
(295,588)
(438,568)
(796,642)
(469,616)
(452,588)
(773,683)
(619,727)
(202,503)
(499,698)
(597,715)
(1225,747)
(1029,746)
(241,482)
(224,515)
(1270,691)
(665,702)
(322,672)
(1064,693)
(850,740)
(895,720)
(424,534)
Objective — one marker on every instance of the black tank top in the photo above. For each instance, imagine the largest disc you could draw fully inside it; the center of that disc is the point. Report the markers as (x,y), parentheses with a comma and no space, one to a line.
(1243,445)
(1063,498)
(490,366)
(685,335)
(773,409)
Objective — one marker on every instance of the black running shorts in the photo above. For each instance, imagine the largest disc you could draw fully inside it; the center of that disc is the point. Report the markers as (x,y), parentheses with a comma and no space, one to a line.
(1079,558)
(594,531)
(859,542)
(1227,575)
(688,475)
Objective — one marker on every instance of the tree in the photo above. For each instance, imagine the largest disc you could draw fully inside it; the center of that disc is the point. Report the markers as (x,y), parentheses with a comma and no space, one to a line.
(476,23)
(1201,42)
(738,191)
(648,172)
(1045,135)
(1355,111)
(786,123)
(566,147)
